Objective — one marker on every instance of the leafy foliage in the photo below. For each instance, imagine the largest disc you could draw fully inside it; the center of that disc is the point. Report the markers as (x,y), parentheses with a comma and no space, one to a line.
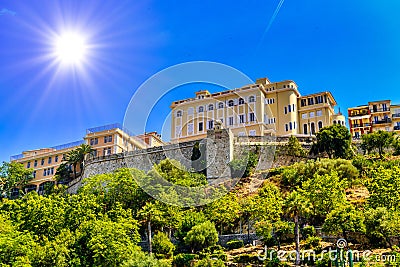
(13,175)
(335,140)
(379,140)
(201,236)
(162,245)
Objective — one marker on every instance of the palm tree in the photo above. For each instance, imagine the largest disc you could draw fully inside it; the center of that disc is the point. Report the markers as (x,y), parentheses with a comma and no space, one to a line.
(77,156)
(296,206)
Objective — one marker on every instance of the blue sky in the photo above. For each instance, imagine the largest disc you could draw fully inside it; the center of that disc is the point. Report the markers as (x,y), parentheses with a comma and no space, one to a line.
(348,47)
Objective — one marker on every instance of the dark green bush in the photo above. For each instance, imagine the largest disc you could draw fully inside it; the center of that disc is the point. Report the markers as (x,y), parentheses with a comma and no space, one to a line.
(247,258)
(307,231)
(162,246)
(234,244)
(183,260)
(207,262)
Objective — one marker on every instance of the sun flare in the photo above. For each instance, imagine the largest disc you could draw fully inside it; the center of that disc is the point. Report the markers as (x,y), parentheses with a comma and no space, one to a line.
(70,48)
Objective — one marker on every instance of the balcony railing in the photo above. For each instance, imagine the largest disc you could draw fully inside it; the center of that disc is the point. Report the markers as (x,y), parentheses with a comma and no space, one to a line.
(362,113)
(361,125)
(16,157)
(382,121)
(397,115)
(374,110)
(396,128)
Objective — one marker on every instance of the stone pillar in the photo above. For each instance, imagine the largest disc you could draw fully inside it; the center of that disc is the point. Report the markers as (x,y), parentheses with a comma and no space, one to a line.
(219,152)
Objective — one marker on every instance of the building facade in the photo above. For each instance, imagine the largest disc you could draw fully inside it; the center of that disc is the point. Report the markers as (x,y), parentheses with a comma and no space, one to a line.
(259,109)
(104,140)
(375,116)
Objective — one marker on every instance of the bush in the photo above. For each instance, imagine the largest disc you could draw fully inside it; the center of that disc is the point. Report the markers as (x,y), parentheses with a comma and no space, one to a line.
(247,258)
(207,262)
(307,231)
(244,166)
(183,260)
(201,236)
(234,244)
(162,246)
(313,242)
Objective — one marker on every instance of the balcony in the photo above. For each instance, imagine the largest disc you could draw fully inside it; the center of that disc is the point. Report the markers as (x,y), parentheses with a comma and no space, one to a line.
(358,114)
(397,115)
(362,125)
(396,128)
(384,121)
(375,110)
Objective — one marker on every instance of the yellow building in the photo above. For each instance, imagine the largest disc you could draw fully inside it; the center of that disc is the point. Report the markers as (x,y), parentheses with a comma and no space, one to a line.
(104,140)
(259,109)
(376,116)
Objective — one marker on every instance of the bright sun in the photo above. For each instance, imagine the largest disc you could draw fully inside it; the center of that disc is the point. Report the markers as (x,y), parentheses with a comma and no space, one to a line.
(70,48)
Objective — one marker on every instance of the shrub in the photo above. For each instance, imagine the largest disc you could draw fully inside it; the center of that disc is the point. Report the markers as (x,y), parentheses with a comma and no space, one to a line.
(162,245)
(201,236)
(183,260)
(247,258)
(234,244)
(307,231)
(207,262)
(313,242)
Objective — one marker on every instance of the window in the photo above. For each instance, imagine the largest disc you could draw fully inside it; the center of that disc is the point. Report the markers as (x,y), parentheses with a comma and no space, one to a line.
(44,172)
(319,113)
(293,107)
(211,107)
(290,108)
(49,160)
(94,141)
(28,165)
(190,111)
(179,113)
(303,103)
(252,118)
(230,121)
(52,170)
(304,116)
(230,103)
(286,127)
(35,163)
(220,105)
(334,122)
(108,139)
(42,163)
(312,128)
(201,109)
(252,99)
(241,101)
(290,126)
(107,151)
(34,174)
(312,114)
(285,110)
(94,153)
(241,134)
(241,118)
(310,101)
(318,99)
(252,132)
(190,128)
(178,130)
(320,125)
(210,125)
(56,158)
(200,126)
(305,129)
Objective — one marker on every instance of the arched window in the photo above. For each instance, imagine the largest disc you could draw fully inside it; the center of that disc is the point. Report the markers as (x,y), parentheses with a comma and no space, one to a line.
(179,113)
(211,107)
(312,128)
(201,109)
(252,99)
(334,122)
(319,125)
(230,103)
(241,101)
(305,128)
(220,105)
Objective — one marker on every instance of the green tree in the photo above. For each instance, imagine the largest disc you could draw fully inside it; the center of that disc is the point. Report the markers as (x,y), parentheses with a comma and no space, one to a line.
(150,214)
(189,219)
(344,218)
(201,236)
(293,148)
(162,245)
(379,140)
(383,186)
(224,211)
(381,224)
(77,156)
(335,140)
(296,205)
(13,175)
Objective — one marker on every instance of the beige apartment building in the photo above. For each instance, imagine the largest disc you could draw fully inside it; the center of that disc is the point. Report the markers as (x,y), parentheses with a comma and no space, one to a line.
(259,109)
(375,116)
(104,140)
